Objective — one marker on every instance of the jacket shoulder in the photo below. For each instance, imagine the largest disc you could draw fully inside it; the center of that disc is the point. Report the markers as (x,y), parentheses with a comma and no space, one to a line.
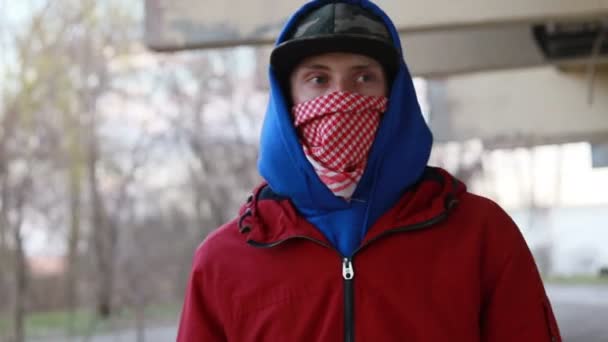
(498,230)
(485,209)
(216,244)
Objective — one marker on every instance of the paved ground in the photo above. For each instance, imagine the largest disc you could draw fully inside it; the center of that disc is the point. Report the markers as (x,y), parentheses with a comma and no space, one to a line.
(156,334)
(582,312)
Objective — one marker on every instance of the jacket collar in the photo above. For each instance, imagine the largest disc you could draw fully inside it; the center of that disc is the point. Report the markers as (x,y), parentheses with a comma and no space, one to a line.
(268,219)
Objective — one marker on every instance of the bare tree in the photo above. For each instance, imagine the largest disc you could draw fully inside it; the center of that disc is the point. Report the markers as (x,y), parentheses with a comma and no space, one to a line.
(11,219)
(20,267)
(94,30)
(222,165)
(62,74)
(18,151)
(93,189)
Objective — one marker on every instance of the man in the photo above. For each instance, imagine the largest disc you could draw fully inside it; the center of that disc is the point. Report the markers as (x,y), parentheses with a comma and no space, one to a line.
(353,237)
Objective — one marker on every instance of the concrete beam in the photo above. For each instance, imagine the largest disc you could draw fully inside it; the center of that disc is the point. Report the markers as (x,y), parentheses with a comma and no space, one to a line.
(182,24)
(469,49)
(520,107)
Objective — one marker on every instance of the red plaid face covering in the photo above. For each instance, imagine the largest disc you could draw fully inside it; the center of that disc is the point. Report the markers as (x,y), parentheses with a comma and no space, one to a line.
(336,131)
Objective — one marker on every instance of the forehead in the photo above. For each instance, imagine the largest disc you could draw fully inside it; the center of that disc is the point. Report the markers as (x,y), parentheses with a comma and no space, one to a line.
(340,60)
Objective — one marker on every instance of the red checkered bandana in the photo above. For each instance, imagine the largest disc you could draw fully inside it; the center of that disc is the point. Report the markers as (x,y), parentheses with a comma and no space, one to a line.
(336,131)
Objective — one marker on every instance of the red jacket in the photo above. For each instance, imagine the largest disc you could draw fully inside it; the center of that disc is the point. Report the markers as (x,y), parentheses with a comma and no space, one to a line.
(441,265)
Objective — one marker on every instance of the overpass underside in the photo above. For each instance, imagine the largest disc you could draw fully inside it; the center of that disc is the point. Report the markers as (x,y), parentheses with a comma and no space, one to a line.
(520,72)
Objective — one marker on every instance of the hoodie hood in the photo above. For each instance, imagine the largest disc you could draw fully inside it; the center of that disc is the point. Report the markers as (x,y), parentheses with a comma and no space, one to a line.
(396,159)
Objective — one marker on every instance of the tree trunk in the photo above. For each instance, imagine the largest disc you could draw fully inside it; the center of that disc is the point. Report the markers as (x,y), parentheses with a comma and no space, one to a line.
(73,239)
(74,156)
(4,251)
(102,241)
(140,321)
(20,286)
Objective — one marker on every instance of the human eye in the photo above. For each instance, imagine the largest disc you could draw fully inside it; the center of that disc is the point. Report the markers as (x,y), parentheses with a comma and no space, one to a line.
(318,79)
(366,78)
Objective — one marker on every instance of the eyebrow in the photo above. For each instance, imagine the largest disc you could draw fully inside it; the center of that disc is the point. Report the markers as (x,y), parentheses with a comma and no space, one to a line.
(324,67)
(363,66)
(316,66)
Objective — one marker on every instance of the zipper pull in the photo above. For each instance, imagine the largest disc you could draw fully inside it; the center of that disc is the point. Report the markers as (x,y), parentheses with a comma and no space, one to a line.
(348,272)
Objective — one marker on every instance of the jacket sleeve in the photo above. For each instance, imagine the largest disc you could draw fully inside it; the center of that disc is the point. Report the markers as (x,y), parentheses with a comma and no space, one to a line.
(515,306)
(200,319)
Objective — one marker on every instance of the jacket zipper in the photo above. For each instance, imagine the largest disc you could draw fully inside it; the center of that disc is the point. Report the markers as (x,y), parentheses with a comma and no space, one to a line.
(348,271)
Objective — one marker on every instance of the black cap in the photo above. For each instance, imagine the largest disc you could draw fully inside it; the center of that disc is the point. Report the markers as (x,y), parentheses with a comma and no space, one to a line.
(336,27)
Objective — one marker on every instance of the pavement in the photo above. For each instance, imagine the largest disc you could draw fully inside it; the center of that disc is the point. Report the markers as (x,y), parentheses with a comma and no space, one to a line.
(581,311)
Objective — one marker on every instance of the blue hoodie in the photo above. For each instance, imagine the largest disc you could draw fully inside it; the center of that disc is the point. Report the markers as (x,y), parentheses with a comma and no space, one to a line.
(396,160)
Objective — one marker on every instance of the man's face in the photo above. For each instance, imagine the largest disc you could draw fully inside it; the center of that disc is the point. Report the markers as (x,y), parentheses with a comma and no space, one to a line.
(323,74)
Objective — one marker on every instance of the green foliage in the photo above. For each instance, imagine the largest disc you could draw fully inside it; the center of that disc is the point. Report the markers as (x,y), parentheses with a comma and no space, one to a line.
(48,323)
(577,280)
(84,322)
